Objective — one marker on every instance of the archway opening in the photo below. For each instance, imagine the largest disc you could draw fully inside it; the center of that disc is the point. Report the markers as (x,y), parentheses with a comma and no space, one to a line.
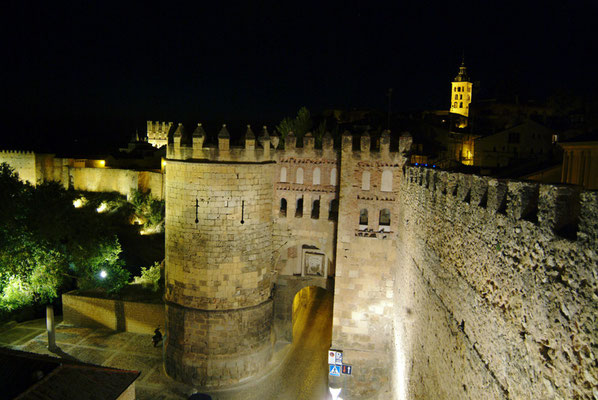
(312,317)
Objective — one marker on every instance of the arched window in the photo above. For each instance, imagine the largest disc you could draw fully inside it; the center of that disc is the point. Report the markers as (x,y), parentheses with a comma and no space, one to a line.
(386,184)
(458,88)
(333,211)
(455,104)
(316,177)
(315,209)
(384,217)
(363,217)
(460,97)
(283,207)
(365,180)
(283,174)
(456,97)
(461,105)
(333,177)
(299,179)
(299,209)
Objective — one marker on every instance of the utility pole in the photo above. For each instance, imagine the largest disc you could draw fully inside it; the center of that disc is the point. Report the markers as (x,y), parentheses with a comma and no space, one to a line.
(389,94)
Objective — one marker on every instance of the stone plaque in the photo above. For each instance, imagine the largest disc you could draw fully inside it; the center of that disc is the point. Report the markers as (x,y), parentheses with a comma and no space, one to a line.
(313,264)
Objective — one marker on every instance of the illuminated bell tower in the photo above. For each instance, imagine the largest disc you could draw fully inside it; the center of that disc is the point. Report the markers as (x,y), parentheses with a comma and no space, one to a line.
(461,92)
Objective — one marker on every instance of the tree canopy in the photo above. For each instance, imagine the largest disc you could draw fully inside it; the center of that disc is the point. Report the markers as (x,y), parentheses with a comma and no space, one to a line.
(46,243)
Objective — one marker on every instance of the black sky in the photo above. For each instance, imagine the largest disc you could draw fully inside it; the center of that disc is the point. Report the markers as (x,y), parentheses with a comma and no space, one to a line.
(99,70)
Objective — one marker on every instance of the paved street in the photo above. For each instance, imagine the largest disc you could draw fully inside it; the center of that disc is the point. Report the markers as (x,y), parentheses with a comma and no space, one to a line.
(297,371)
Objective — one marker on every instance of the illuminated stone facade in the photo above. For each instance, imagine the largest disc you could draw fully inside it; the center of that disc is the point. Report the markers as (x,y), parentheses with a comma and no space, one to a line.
(461,93)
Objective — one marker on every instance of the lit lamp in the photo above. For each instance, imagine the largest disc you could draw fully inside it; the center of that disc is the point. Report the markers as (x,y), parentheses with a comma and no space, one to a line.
(103,274)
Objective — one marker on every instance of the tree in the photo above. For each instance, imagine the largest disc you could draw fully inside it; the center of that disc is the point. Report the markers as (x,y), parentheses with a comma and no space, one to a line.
(299,125)
(45,243)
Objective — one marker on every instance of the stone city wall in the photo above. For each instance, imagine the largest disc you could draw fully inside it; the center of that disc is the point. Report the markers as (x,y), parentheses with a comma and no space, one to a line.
(129,316)
(23,162)
(495,289)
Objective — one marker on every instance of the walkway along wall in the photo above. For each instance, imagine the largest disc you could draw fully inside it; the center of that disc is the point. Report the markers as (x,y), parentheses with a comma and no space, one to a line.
(495,289)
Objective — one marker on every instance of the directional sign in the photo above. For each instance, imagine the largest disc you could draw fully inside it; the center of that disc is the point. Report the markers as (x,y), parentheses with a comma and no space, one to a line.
(334,370)
(346,369)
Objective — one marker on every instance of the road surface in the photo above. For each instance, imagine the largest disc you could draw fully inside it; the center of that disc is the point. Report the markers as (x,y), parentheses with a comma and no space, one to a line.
(303,375)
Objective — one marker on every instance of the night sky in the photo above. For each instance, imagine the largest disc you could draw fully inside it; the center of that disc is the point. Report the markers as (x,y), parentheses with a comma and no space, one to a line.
(98,72)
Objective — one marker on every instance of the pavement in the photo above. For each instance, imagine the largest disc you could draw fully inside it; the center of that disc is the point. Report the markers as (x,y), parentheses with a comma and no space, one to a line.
(297,371)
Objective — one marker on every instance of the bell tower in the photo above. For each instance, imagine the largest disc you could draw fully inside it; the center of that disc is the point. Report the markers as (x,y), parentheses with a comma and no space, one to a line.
(461,93)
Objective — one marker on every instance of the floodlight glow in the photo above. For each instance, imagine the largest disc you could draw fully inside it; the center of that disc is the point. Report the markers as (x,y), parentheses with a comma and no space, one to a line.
(78,203)
(102,207)
(335,392)
(103,274)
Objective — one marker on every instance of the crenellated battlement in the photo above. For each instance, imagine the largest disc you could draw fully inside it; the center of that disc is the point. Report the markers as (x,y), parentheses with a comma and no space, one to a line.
(15,152)
(266,147)
(562,210)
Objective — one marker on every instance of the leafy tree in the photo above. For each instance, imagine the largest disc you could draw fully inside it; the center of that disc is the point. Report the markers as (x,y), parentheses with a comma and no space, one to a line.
(148,209)
(300,125)
(45,243)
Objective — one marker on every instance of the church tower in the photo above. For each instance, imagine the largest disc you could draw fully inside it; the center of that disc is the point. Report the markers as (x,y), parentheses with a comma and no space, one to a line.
(461,92)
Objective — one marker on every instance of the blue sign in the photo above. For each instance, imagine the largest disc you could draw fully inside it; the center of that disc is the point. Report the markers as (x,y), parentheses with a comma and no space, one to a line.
(346,369)
(334,370)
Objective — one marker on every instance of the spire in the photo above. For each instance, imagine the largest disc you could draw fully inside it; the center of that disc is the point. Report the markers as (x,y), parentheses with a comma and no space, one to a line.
(199,132)
(180,131)
(462,75)
(223,134)
(249,133)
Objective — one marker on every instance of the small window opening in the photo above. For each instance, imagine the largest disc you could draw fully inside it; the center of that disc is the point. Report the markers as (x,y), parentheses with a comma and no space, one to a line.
(315,209)
(333,212)
(363,217)
(299,209)
(283,207)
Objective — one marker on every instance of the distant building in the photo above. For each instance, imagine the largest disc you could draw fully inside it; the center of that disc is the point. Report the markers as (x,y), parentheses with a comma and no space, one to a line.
(525,142)
(580,161)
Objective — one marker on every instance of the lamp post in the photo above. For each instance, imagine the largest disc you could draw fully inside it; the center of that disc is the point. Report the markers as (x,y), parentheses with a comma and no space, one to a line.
(51,327)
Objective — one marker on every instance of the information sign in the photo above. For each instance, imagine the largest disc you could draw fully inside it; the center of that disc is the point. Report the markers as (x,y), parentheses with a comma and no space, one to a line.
(335,357)
(346,369)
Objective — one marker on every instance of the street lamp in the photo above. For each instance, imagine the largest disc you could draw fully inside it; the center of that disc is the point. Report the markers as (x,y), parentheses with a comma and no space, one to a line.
(103,274)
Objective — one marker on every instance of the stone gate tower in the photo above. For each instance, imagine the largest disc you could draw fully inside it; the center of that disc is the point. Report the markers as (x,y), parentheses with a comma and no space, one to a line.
(218,258)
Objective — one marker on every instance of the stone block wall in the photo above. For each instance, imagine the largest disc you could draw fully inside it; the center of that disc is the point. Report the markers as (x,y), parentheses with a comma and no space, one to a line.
(218,269)
(118,315)
(218,348)
(363,298)
(498,296)
(23,162)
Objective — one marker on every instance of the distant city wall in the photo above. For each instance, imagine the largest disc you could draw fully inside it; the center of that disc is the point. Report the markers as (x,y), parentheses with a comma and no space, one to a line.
(495,289)
(23,162)
(35,168)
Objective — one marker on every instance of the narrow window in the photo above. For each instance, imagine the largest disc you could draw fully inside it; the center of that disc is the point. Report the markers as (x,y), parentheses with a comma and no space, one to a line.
(333,177)
(460,97)
(384,220)
(315,209)
(283,207)
(456,97)
(316,178)
(299,209)
(386,185)
(365,180)
(299,176)
(333,211)
(283,174)
(363,217)
(461,105)
(455,104)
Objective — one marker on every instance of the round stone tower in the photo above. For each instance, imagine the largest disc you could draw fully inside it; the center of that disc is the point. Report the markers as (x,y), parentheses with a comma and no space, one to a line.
(218,260)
